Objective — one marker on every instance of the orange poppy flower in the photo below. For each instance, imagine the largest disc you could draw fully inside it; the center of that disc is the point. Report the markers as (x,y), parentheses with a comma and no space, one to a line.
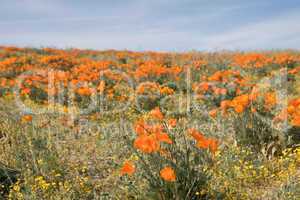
(198,136)
(164,137)
(26,118)
(3,83)
(140,127)
(172,122)
(156,114)
(168,174)
(291,109)
(296,121)
(128,168)
(213,113)
(213,145)
(84,91)
(166,91)
(204,86)
(239,108)
(25,91)
(203,144)
(295,102)
(146,143)
(209,143)
(225,104)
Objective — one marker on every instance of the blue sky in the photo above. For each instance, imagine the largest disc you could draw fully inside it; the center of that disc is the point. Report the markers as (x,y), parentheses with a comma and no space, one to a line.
(164,25)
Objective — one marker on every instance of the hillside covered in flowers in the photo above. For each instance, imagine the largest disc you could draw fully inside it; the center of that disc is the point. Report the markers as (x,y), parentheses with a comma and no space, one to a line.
(87,124)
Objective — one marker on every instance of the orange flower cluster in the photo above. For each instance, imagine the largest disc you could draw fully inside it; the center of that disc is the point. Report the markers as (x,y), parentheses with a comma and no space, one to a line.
(203,142)
(168,174)
(147,143)
(150,136)
(13,66)
(239,103)
(153,88)
(156,114)
(154,69)
(284,59)
(221,83)
(251,60)
(293,111)
(295,70)
(84,91)
(61,62)
(148,88)
(166,90)
(224,76)
(4,82)
(270,99)
(7,64)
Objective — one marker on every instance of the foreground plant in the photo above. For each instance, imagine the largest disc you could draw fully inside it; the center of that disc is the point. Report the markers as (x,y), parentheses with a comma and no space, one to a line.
(172,159)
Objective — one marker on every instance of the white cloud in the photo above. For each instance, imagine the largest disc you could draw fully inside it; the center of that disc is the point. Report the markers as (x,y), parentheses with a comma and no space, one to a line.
(152,27)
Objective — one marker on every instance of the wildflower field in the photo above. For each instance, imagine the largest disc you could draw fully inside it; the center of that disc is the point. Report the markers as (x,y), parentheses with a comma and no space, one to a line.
(86,124)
